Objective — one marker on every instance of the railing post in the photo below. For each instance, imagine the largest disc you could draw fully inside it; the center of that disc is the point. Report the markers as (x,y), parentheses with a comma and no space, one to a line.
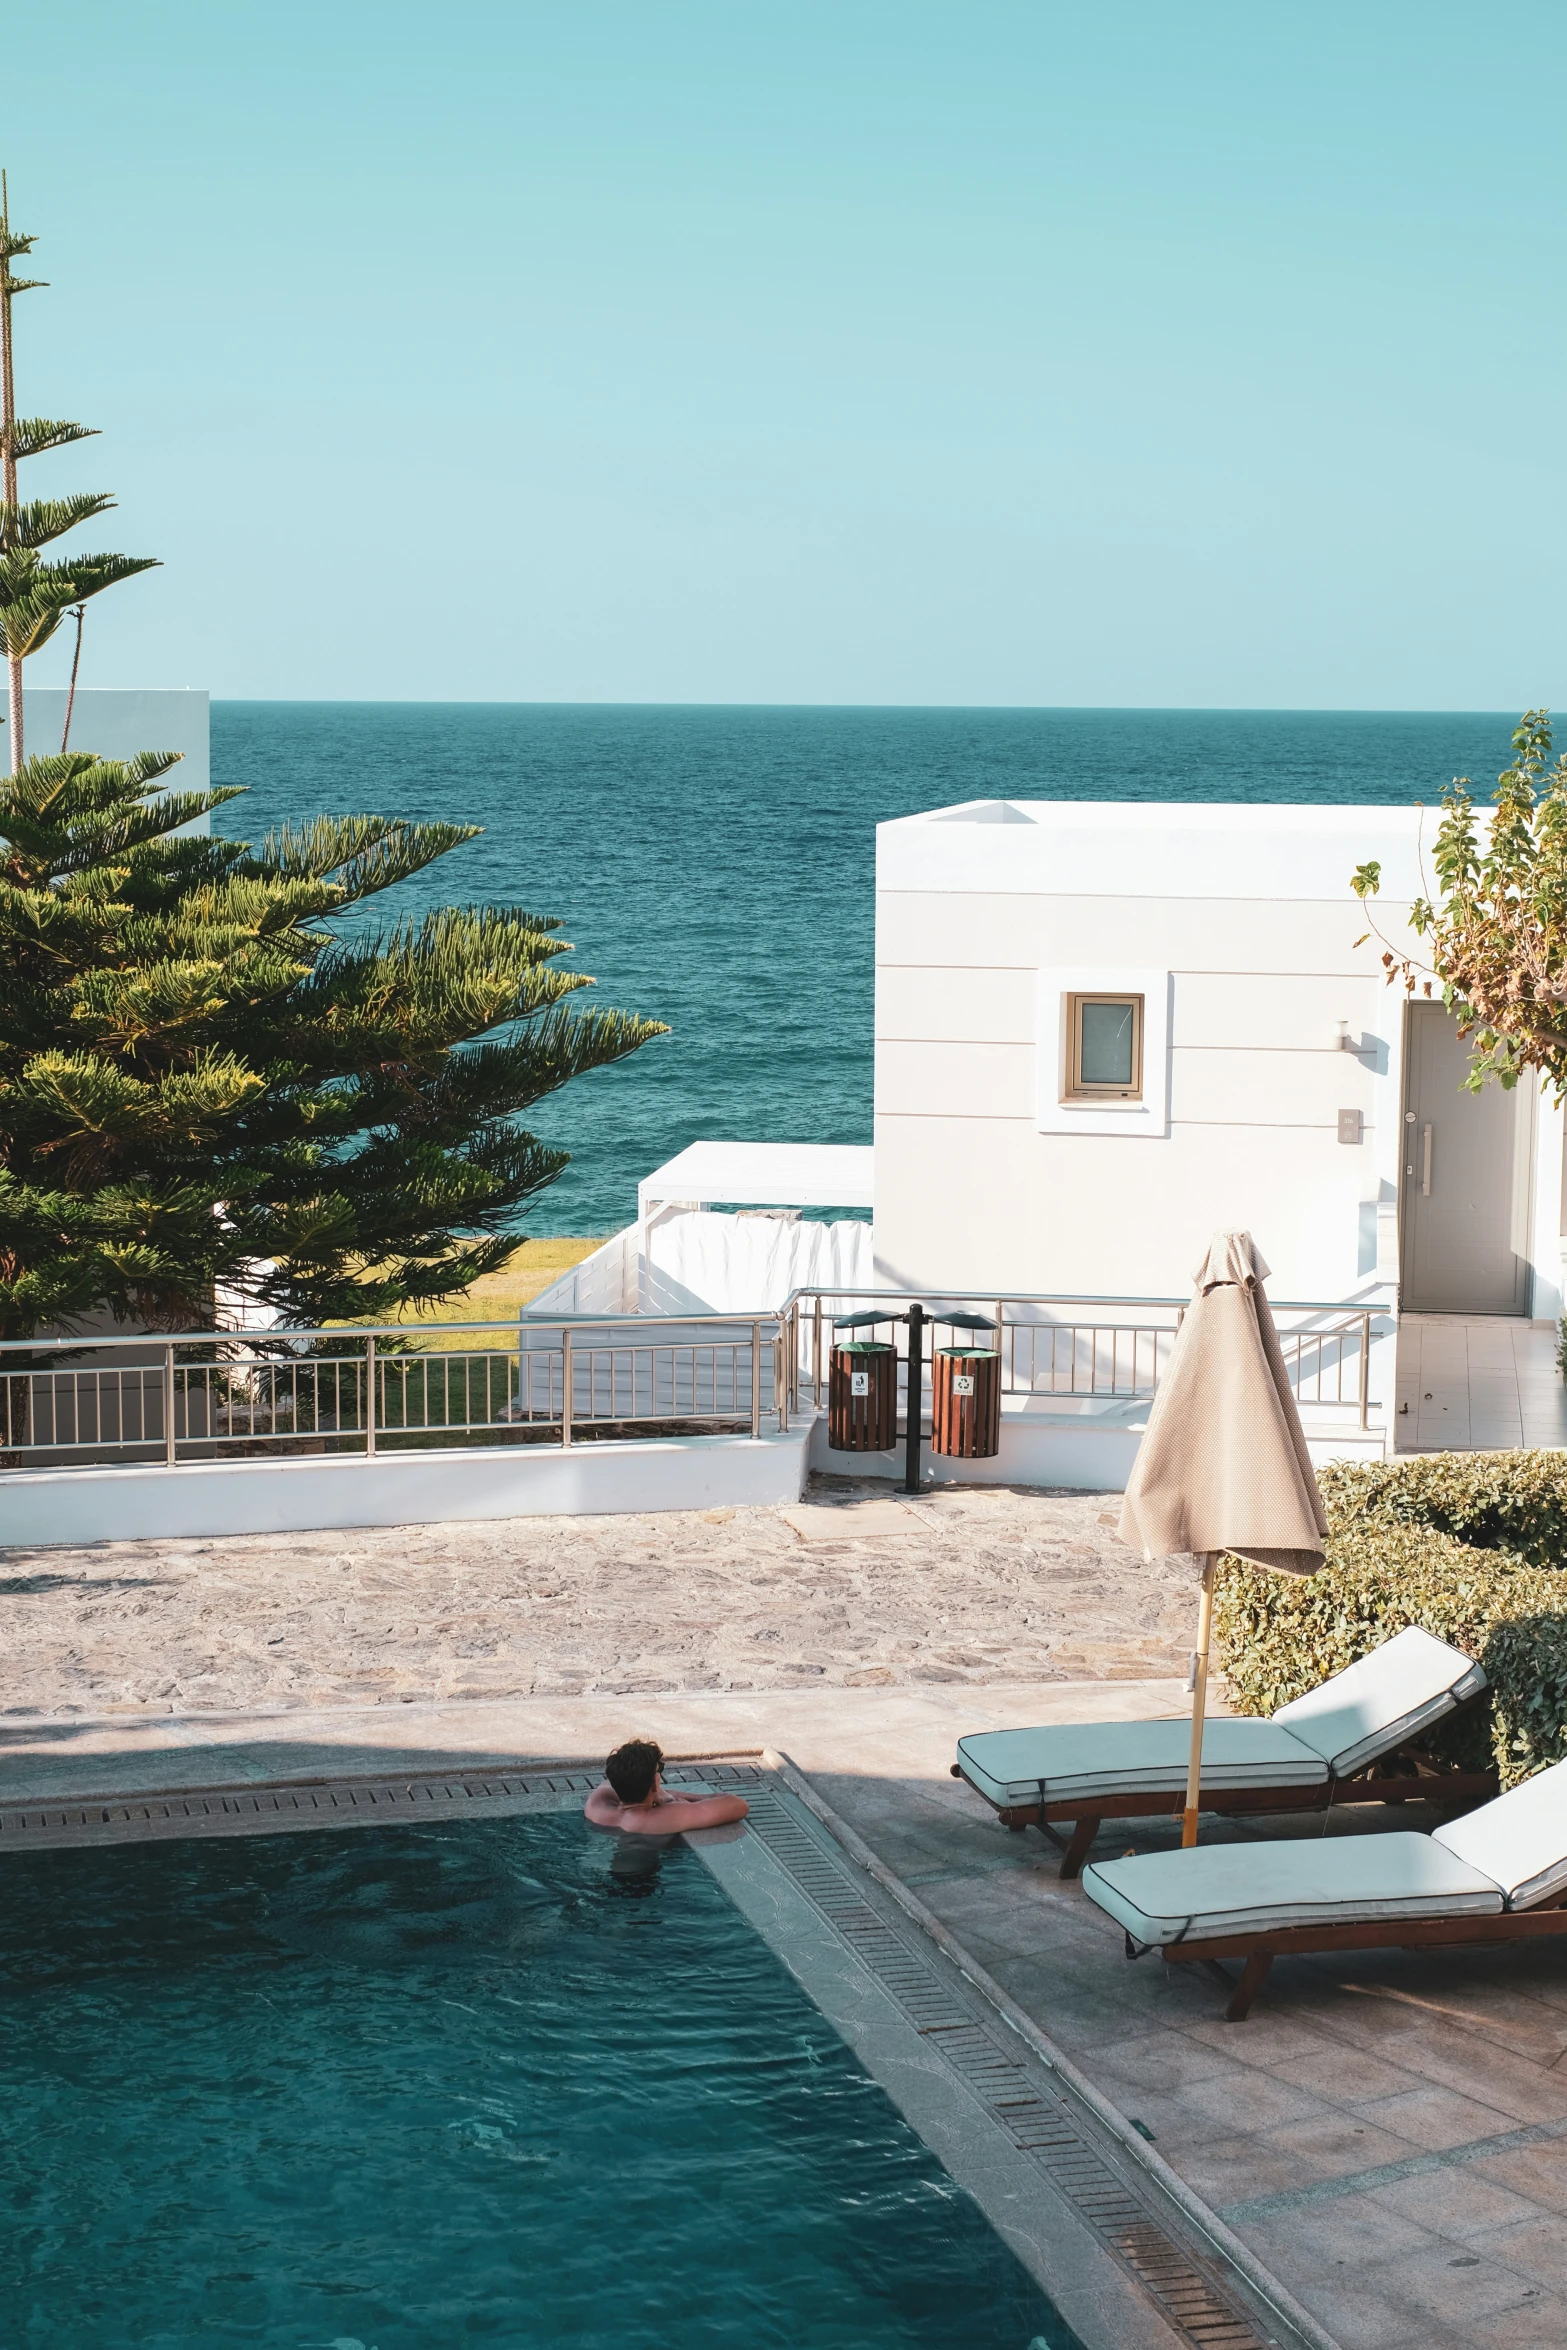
(816,1356)
(370,1399)
(780,1379)
(170,1455)
(1365,1370)
(565,1385)
(756,1378)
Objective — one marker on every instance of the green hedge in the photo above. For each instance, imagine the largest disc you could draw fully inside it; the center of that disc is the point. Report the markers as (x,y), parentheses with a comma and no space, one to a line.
(1492,1500)
(1394,1559)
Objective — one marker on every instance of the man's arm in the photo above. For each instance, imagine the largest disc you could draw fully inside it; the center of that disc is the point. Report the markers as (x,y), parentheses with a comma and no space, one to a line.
(678,1812)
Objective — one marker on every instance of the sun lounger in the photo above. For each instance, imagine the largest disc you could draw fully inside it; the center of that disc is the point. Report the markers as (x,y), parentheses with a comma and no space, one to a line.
(1350,1741)
(1497,1875)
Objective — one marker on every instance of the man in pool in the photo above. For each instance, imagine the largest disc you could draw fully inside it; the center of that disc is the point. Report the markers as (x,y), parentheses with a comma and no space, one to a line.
(632,1797)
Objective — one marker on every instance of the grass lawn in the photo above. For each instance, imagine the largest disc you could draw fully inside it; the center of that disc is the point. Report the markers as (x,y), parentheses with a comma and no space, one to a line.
(501,1296)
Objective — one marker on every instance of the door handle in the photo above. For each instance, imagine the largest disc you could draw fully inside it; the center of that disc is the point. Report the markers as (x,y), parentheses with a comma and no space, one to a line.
(1425,1166)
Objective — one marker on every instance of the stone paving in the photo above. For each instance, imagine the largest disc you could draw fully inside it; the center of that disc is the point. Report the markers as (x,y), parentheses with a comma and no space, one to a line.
(971,1586)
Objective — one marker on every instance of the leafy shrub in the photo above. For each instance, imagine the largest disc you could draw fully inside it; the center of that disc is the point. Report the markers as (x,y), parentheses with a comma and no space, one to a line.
(1491,1500)
(1390,1565)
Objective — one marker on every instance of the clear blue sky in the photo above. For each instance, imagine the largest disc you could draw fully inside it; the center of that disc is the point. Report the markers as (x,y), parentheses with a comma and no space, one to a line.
(837,351)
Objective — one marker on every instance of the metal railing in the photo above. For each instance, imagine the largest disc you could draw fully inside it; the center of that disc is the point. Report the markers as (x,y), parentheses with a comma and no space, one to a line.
(212,1395)
(1113,1349)
(209,1395)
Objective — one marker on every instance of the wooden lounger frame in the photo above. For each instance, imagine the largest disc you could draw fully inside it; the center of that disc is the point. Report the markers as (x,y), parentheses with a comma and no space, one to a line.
(1402,1777)
(1258,1951)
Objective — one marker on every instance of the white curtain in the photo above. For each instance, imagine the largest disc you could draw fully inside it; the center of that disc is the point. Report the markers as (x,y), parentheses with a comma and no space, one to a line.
(697,1262)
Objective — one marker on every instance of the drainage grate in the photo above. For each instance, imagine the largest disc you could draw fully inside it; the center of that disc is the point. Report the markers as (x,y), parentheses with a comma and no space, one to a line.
(300,1803)
(1039,2124)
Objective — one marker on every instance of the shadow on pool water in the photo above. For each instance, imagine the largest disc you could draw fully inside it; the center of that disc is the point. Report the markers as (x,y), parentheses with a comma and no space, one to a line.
(502,2083)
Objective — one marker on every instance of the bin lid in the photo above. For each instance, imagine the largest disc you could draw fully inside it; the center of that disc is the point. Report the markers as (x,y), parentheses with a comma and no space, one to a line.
(969,1354)
(863,1346)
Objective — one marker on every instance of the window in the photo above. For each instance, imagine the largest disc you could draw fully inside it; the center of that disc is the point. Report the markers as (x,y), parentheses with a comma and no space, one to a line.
(1104,1048)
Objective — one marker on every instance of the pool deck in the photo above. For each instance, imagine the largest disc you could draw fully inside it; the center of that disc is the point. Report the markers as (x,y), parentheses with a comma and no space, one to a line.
(1388,2132)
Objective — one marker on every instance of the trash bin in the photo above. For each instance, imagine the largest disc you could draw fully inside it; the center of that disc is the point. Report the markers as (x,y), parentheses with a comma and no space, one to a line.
(965,1406)
(862,1397)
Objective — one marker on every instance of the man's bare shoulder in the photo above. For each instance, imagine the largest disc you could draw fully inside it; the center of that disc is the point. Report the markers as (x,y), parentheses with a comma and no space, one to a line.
(669,1816)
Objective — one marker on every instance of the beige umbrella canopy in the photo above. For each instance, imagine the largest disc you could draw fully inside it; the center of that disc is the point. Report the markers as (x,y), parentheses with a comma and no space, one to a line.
(1223,1465)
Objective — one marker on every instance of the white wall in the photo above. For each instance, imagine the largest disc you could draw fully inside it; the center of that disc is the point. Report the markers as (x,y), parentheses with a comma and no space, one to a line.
(43,1507)
(1250,913)
(698,1260)
(118,721)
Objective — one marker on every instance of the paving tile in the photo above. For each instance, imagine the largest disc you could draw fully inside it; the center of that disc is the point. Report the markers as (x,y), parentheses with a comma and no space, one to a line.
(1253,2102)
(1536,2324)
(1538,2172)
(1334,2145)
(1351,2231)
(1357,2313)
(1165,2060)
(1232,2170)
(1435,2118)
(1536,2247)
(1348,2077)
(1454,2288)
(1454,2202)
(1272,2040)
(1491,2075)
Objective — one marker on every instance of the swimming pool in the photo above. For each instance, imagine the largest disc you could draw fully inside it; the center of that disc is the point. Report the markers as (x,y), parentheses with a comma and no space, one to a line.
(501,2082)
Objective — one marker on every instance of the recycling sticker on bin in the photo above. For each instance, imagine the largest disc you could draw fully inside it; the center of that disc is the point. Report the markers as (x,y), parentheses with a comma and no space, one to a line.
(962,1382)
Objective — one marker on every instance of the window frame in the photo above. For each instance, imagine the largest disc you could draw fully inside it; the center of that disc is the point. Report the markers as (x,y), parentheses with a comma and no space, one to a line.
(1074,1087)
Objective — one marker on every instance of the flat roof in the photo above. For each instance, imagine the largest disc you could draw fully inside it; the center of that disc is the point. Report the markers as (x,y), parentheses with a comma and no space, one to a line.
(1156,848)
(764,1175)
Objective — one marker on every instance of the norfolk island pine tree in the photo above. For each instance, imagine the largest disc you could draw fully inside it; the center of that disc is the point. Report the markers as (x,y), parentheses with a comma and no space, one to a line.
(203,1082)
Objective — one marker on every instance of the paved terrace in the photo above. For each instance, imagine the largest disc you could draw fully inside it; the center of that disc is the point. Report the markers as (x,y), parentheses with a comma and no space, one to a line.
(1388,2131)
(1472,1384)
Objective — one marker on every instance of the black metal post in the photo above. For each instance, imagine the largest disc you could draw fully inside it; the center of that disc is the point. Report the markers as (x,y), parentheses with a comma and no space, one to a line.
(916,1398)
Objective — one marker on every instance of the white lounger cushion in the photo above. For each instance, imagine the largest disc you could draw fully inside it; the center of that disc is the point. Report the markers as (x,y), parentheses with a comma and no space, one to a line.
(1087,1759)
(1376,1703)
(1369,1709)
(1520,1839)
(1256,1888)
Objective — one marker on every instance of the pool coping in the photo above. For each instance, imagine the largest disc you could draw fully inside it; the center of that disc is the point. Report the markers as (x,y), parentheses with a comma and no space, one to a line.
(1218,2255)
(1013,2099)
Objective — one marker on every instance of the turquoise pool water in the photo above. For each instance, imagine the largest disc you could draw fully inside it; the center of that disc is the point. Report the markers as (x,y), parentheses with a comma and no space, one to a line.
(508,2083)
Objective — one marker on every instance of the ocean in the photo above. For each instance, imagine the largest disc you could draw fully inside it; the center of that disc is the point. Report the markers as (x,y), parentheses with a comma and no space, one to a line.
(714,866)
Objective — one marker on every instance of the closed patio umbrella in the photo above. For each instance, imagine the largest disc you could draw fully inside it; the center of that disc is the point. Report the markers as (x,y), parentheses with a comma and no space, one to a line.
(1223,1464)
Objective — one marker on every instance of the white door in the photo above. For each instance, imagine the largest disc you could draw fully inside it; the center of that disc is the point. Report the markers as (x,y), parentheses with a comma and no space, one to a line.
(1465,1179)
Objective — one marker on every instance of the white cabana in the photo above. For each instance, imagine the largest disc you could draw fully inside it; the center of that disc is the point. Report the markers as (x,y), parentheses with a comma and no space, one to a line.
(762,1175)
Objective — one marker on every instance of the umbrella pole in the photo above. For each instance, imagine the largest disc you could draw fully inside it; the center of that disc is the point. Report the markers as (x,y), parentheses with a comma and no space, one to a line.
(1199,1700)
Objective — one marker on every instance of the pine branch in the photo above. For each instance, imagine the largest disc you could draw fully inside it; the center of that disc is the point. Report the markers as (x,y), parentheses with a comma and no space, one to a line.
(48,518)
(32,435)
(197,1078)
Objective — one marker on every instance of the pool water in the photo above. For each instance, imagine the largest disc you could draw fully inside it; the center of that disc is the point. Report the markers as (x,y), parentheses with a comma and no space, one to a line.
(508,2083)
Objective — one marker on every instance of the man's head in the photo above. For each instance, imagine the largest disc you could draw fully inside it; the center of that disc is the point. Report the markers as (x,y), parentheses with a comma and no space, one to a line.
(632,1769)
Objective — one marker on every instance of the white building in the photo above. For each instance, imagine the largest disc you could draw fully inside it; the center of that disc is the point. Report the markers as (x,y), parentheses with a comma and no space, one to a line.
(1253,1069)
(1103,1032)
